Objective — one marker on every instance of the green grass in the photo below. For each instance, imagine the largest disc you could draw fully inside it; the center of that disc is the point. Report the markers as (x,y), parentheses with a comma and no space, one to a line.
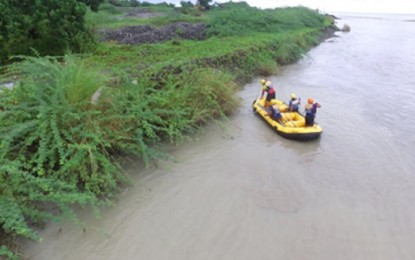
(245,20)
(112,17)
(262,38)
(213,52)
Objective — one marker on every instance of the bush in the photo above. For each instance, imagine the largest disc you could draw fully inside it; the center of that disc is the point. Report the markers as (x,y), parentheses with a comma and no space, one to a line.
(49,123)
(58,150)
(51,27)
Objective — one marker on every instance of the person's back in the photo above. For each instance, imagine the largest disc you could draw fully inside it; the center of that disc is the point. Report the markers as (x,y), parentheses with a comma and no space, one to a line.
(274,111)
(310,110)
(294,103)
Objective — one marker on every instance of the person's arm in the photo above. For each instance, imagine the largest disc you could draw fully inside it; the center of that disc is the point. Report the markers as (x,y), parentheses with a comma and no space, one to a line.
(262,93)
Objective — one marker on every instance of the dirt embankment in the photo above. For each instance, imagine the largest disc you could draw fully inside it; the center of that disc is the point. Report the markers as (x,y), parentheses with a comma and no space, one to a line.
(149,34)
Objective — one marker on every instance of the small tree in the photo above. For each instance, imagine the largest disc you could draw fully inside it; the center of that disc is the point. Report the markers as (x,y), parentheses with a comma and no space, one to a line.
(51,27)
(93,4)
(134,3)
(185,4)
(204,3)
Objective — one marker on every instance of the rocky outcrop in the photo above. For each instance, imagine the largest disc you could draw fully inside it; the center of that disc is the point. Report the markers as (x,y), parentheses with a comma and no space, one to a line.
(346,28)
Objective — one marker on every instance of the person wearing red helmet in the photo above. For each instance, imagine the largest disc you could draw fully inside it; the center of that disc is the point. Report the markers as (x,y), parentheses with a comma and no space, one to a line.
(310,111)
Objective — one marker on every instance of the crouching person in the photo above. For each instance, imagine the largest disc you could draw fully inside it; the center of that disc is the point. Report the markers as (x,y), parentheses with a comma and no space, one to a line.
(274,111)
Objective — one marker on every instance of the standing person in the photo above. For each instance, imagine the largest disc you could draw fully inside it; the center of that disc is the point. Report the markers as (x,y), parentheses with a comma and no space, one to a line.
(294,103)
(310,111)
(270,93)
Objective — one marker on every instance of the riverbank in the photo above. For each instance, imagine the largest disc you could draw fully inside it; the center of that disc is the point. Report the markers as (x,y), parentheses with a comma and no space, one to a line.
(56,142)
(349,195)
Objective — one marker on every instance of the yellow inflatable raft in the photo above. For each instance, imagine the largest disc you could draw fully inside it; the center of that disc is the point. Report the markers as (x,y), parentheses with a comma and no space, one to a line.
(291,126)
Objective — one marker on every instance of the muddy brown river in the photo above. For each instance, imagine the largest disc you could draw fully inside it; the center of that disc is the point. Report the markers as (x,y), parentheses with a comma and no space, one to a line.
(240,191)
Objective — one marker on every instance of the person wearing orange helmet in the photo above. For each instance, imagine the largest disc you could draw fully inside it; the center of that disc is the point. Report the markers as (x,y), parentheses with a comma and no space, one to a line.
(310,111)
(267,88)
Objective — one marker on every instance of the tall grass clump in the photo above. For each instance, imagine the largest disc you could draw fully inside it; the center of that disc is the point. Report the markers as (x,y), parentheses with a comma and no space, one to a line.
(241,19)
(205,94)
(169,107)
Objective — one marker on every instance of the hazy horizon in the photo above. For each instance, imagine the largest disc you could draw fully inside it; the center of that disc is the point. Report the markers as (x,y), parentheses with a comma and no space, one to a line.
(331,6)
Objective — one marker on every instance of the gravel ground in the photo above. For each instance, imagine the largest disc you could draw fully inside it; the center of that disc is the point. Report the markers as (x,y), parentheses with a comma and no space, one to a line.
(149,34)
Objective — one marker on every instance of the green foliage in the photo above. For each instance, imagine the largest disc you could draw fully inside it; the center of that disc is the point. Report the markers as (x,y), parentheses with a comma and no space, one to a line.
(58,149)
(93,4)
(111,17)
(108,8)
(49,124)
(204,3)
(185,4)
(25,198)
(50,160)
(266,67)
(51,27)
(243,56)
(6,253)
(175,17)
(202,94)
(241,19)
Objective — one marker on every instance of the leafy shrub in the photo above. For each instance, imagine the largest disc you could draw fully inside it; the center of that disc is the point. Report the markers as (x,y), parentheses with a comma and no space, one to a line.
(51,125)
(51,159)
(57,149)
(26,199)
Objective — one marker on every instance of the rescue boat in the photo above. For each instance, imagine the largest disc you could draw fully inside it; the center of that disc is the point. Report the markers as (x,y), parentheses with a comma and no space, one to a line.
(292,124)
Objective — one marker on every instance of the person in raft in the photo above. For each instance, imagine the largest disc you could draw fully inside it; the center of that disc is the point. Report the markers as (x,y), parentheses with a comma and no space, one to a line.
(263,82)
(267,88)
(294,103)
(310,111)
(274,111)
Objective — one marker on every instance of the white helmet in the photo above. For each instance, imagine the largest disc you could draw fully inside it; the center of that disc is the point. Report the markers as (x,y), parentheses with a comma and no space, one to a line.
(268,83)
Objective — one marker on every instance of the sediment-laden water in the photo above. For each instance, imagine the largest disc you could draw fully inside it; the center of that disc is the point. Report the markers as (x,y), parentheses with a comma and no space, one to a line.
(240,191)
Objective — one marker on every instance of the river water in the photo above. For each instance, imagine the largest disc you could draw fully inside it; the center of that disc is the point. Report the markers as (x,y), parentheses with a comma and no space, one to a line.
(240,191)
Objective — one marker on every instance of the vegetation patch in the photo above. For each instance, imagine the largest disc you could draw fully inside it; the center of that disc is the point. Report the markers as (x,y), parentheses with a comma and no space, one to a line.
(69,119)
